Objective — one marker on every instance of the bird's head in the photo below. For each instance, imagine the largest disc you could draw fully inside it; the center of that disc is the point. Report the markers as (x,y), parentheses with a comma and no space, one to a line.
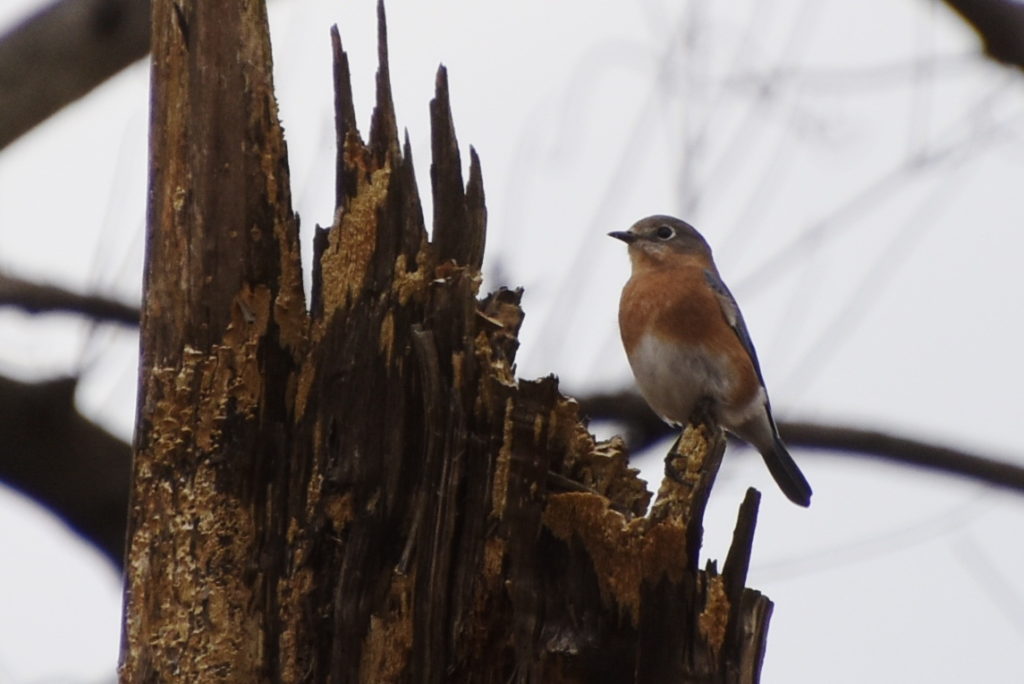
(660,237)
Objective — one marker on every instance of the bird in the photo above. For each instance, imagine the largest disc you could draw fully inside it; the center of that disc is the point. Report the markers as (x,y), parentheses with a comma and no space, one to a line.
(687,342)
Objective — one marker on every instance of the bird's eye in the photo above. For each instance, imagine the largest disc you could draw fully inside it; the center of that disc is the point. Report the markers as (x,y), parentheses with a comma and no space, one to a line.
(665,233)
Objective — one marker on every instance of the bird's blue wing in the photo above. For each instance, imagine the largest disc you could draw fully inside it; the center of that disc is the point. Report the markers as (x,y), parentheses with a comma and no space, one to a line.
(732,314)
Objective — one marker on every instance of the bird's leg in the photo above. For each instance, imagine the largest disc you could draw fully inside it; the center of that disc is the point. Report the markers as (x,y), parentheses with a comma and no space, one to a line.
(672,469)
(703,411)
(675,462)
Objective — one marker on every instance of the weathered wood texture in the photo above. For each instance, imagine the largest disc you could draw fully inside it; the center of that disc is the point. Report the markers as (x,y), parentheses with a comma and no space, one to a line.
(364,491)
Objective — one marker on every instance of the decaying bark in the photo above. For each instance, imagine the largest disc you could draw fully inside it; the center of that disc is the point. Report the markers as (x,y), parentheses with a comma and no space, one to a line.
(364,491)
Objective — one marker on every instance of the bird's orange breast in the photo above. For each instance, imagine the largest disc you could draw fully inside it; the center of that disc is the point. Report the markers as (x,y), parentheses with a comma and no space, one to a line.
(674,303)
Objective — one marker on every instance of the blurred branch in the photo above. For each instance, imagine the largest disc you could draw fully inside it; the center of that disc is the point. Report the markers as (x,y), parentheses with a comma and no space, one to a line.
(1000,23)
(642,428)
(639,426)
(62,52)
(904,451)
(37,298)
(73,467)
(80,472)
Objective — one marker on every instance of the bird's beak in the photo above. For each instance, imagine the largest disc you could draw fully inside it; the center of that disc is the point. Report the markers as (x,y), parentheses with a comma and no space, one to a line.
(624,235)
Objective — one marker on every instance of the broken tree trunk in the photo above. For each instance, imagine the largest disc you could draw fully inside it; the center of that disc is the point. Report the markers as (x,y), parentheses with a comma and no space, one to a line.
(364,491)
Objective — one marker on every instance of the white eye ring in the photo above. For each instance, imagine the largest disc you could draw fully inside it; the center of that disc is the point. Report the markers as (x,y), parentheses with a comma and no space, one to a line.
(665,233)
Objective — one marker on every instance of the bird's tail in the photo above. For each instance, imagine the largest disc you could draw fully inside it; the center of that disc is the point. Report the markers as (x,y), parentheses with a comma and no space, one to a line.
(786,473)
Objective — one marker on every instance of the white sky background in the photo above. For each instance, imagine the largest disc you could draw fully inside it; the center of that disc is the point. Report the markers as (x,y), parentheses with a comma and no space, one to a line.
(857,167)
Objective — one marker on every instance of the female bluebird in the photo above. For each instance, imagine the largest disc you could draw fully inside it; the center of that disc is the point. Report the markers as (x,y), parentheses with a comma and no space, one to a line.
(686,341)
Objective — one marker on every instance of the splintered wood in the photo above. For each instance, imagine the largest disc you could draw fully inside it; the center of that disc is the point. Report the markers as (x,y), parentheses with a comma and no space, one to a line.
(361,490)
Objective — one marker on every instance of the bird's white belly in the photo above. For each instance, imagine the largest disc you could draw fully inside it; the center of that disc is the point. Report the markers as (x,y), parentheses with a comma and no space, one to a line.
(673,378)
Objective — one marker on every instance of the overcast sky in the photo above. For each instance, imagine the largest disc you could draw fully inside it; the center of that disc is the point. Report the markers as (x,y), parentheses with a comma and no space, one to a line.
(855,165)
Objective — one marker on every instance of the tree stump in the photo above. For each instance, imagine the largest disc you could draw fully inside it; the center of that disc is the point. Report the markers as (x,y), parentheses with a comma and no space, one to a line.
(361,489)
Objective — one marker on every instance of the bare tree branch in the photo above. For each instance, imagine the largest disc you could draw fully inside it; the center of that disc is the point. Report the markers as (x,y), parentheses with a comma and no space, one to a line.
(999,23)
(642,428)
(61,53)
(65,50)
(80,472)
(905,451)
(68,464)
(37,298)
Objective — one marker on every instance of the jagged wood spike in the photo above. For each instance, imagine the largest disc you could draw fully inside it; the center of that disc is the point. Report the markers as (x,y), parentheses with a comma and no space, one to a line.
(383,127)
(476,213)
(415,230)
(450,221)
(383,152)
(738,638)
(344,122)
(737,562)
